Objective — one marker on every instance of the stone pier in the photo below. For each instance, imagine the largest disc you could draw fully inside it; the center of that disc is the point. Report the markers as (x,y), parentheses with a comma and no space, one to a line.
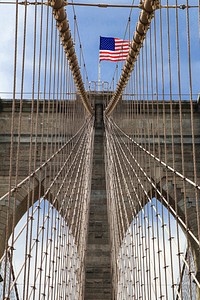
(98,269)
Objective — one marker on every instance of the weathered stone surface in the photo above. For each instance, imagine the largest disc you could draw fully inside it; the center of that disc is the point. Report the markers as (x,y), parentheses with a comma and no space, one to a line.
(98,269)
(98,281)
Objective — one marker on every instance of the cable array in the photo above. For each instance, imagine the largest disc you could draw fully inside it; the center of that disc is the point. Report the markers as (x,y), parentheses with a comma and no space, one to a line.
(148,8)
(67,43)
(79,49)
(153,179)
(146,226)
(152,146)
(45,167)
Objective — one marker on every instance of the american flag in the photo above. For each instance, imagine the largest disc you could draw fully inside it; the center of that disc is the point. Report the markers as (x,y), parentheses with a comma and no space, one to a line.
(113,49)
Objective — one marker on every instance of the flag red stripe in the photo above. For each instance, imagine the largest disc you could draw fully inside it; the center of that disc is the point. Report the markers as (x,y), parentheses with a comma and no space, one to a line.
(114,59)
(110,55)
(118,52)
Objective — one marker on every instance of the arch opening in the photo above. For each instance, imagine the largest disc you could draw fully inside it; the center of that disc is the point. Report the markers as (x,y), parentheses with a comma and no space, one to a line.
(42,256)
(155,260)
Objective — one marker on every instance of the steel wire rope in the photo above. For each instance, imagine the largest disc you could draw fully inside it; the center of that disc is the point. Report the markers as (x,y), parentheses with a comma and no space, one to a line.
(150,200)
(52,202)
(137,42)
(160,161)
(45,140)
(125,32)
(147,160)
(81,46)
(51,158)
(12,136)
(123,177)
(164,127)
(32,157)
(121,191)
(159,193)
(63,27)
(82,153)
(47,191)
(151,52)
(45,163)
(145,176)
(180,120)
(36,137)
(188,34)
(165,151)
(10,252)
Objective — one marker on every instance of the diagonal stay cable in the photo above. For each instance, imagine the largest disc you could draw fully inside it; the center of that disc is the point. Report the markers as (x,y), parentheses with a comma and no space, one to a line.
(41,167)
(82,144)
(118,151)
(119,142)
(184,178)
(116,141)
(159,193)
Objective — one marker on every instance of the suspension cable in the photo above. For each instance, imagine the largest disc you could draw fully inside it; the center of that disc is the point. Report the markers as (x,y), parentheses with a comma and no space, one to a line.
(63,26)
(148,8)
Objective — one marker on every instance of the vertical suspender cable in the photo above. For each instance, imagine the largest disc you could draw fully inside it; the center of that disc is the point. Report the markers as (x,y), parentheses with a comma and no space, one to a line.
(148,8)
(63,26)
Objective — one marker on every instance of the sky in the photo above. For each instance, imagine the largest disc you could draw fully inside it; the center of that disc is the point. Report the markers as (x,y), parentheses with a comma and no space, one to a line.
(19,253)
(92,23)
(153,225)
(112,22)
(96,22)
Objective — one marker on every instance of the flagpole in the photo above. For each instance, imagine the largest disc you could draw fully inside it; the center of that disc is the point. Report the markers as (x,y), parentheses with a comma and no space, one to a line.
(99,75)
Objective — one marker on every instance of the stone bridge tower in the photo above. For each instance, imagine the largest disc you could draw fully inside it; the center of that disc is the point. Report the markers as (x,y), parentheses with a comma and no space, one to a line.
(98,268)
